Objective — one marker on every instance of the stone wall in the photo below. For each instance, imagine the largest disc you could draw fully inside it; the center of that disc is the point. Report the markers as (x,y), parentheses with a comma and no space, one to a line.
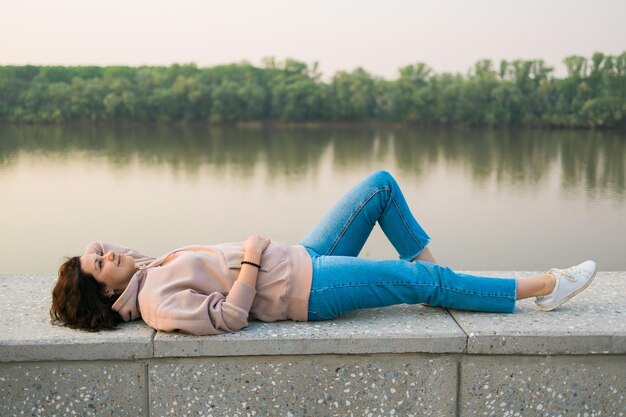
(403,360)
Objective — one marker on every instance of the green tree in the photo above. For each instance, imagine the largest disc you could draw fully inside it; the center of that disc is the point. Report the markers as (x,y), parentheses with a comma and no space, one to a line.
(519,92)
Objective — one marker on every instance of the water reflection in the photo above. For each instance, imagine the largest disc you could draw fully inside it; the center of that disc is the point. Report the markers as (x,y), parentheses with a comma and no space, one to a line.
(501,199)
(593,160)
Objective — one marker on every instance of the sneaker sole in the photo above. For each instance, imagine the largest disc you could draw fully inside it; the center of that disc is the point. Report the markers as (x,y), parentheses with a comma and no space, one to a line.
(557,304)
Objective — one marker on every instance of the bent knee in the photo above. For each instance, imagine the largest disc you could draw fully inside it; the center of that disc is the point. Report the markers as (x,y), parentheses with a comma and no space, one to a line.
(383,177)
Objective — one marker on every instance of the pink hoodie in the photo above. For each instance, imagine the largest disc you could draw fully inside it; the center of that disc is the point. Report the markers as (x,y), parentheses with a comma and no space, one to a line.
(195,289)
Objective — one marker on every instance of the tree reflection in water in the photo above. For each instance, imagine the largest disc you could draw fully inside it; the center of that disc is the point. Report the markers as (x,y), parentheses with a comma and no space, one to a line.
(594,160)
(492,199)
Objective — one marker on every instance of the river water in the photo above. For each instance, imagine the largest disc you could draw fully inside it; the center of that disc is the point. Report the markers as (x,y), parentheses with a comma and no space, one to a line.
(490,199)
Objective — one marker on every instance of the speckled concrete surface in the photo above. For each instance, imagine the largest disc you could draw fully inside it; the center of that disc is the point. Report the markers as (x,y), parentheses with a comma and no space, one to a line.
(328,385)
(543,386)
(26,333)
(394,329)
(73,389)
(592,322)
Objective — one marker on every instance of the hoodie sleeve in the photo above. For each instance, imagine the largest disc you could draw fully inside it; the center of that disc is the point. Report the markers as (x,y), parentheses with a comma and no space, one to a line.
(94,247)
(103,247)
(201,314)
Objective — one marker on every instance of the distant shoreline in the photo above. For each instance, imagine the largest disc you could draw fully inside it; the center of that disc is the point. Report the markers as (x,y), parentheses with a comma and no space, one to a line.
(300,125)
(520,93)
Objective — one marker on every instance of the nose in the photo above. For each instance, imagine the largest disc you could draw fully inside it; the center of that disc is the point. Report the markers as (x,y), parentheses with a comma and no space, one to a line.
(110,256)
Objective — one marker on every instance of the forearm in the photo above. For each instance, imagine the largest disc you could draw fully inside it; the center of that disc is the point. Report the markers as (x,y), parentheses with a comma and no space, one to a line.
(249,273)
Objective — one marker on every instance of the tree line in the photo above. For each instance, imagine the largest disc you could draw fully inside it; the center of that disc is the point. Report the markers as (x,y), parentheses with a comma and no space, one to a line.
(515,93)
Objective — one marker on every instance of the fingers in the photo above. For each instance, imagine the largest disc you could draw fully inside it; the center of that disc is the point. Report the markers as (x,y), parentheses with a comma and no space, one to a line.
(262,242)
(257,242)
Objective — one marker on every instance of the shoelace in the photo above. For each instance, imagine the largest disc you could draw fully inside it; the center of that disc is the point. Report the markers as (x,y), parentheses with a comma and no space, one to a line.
(566,274)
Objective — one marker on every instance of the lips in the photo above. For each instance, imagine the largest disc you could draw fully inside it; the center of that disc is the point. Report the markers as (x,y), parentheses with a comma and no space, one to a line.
(119,259)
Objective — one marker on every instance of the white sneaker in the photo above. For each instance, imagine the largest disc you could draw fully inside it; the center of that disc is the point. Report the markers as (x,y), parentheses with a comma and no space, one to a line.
(569,282)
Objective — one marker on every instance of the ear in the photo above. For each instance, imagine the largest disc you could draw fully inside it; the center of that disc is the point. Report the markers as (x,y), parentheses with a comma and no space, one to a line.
(108,292)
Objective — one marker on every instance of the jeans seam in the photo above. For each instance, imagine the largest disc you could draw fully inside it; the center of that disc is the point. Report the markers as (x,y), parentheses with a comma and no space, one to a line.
(369,284)
(354,215)
(484,294)
(406,225)
(327,288)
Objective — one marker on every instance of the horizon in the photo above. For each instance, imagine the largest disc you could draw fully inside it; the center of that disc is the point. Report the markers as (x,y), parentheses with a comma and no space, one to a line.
(379,39)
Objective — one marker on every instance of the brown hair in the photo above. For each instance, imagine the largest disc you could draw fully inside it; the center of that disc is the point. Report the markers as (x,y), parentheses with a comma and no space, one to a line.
(78,301)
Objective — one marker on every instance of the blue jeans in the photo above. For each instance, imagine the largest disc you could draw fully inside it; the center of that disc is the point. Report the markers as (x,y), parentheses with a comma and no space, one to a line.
(342,282)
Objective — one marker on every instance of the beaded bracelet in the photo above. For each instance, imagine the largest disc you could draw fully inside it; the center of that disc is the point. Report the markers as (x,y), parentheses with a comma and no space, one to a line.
(251,263)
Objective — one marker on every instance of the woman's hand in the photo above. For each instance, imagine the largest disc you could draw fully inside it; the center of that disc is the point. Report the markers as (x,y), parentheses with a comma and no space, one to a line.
(255,244)
(253,247)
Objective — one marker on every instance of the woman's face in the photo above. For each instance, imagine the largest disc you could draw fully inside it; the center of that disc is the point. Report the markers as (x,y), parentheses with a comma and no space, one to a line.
(112,270)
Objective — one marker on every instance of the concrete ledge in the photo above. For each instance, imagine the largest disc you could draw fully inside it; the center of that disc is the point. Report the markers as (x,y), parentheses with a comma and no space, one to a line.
(397,329)
(594,322)
(402,360)
(27,335)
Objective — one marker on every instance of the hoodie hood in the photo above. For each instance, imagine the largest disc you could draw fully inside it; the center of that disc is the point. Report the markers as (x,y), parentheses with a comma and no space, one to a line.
(127,304)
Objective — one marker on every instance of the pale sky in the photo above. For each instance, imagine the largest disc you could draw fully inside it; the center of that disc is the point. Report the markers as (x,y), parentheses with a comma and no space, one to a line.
(380,36)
